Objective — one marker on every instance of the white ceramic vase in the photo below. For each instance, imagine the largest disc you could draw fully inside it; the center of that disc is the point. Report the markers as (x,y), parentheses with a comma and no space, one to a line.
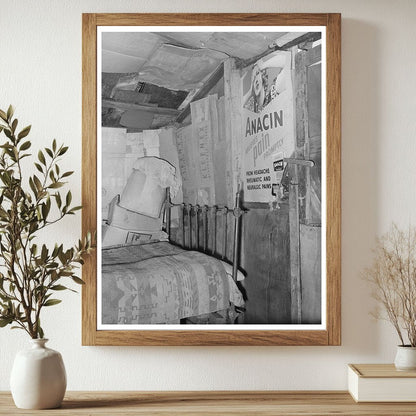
(38,377)
(405,358)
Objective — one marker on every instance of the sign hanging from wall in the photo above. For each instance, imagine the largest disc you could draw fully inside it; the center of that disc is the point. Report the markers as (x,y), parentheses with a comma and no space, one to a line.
(268,125)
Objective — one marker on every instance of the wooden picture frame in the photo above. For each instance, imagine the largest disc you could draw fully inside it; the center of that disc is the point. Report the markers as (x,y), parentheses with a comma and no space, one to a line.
(331,333)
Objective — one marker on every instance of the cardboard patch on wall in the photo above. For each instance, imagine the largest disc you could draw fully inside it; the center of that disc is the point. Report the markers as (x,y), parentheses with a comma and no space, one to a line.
(136,119)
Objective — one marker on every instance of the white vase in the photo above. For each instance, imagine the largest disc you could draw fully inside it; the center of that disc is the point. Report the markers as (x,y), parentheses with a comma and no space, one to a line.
(38,377)
(405,358)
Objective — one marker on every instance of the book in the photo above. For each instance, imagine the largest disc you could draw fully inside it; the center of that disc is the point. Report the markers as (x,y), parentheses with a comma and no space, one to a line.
(381,383)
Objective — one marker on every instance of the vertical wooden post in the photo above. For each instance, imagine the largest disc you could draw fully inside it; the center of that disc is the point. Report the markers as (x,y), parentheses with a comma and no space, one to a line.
(205,227)
(197,209)
(237,217)
(189,210)
(296,310)
(225,233)
(233,126)
(182,219)
(168,213)
(214,230)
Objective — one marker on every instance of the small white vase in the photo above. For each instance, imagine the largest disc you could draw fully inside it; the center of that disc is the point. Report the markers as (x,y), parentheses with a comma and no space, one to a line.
(38,377)
(405,358)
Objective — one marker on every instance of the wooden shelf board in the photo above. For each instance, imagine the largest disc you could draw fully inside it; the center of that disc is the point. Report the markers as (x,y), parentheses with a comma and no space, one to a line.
(177,403)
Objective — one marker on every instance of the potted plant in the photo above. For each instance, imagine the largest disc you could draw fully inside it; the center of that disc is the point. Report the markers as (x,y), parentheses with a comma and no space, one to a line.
(31,273)
(393,277)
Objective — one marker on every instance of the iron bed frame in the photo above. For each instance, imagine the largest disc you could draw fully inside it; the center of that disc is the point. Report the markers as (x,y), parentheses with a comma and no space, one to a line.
(199,225)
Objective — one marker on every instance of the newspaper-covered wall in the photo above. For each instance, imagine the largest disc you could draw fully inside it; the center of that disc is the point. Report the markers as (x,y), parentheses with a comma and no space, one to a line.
(202,154)
(169,152)
(113,150)
(119,151)
(204,126)
(221,170)
(184,145)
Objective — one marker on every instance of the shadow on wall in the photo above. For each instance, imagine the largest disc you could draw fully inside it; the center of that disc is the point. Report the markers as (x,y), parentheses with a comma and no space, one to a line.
(361,56)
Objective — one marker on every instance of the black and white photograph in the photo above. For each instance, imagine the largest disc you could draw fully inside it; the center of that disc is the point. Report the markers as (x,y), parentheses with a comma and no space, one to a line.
(211,153)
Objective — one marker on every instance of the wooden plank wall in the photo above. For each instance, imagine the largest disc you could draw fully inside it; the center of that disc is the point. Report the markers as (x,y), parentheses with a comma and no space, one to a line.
(308,133)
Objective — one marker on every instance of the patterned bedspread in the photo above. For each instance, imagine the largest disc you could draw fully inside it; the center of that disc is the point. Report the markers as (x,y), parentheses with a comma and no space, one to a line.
(162,283)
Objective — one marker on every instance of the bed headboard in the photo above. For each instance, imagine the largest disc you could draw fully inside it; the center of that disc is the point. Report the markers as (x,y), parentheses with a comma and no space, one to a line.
(213,230)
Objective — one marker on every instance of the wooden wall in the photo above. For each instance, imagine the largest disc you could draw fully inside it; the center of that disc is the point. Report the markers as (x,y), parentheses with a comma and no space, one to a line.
(266,261)
(268,256)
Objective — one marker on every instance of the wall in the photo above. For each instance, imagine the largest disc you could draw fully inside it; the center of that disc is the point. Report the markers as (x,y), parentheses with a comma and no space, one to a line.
(40,74)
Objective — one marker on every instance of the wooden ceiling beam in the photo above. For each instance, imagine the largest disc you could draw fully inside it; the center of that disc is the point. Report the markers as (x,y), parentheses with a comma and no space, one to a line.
(307,37)
(205,89)
(141,107)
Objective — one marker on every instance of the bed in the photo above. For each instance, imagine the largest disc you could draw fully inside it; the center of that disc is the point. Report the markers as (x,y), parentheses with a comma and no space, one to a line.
(188,279)
(161,283)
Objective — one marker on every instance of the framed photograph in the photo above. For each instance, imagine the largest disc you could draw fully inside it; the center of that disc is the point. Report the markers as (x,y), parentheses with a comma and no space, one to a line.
(211,172)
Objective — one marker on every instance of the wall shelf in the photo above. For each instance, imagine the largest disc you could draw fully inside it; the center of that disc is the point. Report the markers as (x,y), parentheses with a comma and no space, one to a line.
(212,403)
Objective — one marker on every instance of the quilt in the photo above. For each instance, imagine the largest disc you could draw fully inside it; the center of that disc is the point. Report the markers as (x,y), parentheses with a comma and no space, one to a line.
(160,283)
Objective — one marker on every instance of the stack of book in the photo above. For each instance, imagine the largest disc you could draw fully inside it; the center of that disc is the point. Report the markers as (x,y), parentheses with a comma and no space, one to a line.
(381,383)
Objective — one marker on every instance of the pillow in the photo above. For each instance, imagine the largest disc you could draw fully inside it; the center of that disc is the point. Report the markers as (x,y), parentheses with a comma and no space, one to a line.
(113,236)
(121,217)
(145,191)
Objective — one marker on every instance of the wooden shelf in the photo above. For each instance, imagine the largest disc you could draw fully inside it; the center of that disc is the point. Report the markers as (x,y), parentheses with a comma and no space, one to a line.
(212,403)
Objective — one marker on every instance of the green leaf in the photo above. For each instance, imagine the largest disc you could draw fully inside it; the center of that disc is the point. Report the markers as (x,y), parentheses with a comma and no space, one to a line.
(5,321)
(45,211)
(76,279)
(63,150)
(5,297)
(10,112)
(77,208)
(54,145)
(62,257)
(14,125)
(24,132)
(55,251)
(40,332)
(51,302)
(56,185)
(3,115)
(25,145)
(41,157)
(59,287)
(68,199)
(34,249)
(58,199)
(67,174)
(33,187)
(37,182)
(39,167)
(44,253)
(8,133)
(49,152)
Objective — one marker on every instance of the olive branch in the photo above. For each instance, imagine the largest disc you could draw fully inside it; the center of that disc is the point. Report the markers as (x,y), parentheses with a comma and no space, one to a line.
(31,274)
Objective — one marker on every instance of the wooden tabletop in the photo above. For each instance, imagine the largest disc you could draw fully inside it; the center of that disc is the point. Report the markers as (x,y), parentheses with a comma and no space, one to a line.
(212,403)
